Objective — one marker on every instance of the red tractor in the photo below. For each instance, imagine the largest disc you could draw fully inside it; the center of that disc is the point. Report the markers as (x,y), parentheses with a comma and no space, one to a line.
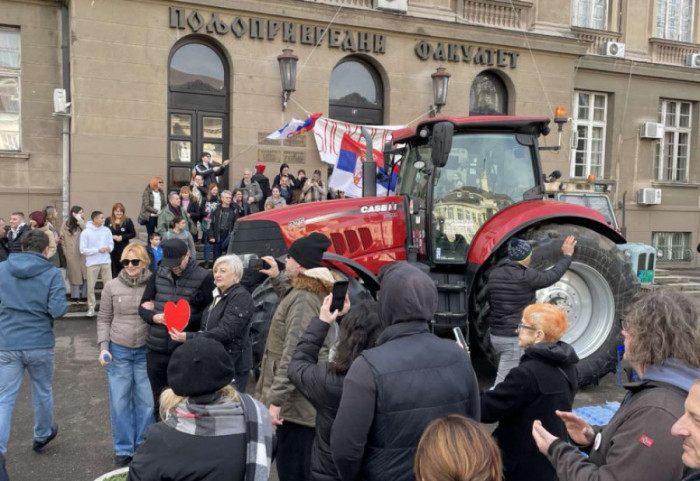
(466,185)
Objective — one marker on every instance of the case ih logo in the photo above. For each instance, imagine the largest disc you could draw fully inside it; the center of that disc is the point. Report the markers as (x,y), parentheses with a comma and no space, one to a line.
(368,209)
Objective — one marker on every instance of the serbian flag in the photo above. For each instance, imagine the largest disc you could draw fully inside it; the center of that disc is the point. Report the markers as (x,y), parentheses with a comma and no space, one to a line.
(347,175)
(295,127)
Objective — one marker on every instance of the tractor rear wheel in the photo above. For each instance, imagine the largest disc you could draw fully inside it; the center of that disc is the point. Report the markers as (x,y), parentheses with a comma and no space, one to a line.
(594,292)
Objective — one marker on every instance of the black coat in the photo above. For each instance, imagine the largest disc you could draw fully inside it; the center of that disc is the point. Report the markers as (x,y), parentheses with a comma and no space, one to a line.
(511,288)
(4,252)
(229,323)
(214,231)
(15,245)
(323,388)
(195,210)
(127,231)
(544,381)
(391,393)
(170,454)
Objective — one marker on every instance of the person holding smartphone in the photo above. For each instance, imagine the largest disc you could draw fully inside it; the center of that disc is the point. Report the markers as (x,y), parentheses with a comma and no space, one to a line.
(302,288)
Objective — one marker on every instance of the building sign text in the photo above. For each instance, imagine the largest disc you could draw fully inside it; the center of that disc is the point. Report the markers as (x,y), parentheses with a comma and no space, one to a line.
(453,52)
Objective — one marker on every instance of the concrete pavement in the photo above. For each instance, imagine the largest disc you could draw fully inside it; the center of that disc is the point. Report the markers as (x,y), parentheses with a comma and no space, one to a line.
(83,450)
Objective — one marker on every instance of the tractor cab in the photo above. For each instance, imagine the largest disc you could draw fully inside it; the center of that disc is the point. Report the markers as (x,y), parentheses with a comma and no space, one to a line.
(485,165)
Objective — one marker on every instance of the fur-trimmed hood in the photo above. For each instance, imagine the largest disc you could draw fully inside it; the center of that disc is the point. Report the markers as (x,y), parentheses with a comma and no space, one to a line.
(314,285)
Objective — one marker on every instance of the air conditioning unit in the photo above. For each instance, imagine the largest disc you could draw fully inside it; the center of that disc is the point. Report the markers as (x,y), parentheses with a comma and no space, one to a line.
(397,6)
(693,60)
(649,196)
(614,49)
(652,130)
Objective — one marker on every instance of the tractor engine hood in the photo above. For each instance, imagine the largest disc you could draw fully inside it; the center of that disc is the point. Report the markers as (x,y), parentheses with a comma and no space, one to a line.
(369,230)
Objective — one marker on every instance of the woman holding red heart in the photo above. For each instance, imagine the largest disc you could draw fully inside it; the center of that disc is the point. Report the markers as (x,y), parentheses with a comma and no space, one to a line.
(121,335)
(228,318)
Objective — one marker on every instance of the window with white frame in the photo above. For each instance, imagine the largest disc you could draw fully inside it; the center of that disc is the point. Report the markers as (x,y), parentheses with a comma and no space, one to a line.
(672,246)
(590,14)
(10,139)
(671,156)
(674,19)
(588,158)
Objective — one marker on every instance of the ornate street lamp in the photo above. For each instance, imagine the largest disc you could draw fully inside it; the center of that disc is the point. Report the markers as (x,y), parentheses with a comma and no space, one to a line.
(441,79)
(288,74)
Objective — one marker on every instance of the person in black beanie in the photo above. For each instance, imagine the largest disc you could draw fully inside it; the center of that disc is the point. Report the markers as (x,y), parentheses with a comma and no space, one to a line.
(511,286)
(302,287)
(209,430)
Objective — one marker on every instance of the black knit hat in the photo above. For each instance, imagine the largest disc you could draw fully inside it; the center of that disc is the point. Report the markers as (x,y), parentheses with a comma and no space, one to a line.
(308,251)
(200,366)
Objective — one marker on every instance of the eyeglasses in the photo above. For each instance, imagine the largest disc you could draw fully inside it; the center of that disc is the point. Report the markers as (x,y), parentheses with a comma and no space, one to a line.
(525,326)
(133,262)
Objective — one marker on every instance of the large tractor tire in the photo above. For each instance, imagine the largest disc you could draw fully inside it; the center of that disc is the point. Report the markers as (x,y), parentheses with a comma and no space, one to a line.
(266,300)
(594,292)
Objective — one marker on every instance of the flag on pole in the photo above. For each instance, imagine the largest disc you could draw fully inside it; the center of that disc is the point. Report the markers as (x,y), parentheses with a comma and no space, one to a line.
(295,127)
(347,175)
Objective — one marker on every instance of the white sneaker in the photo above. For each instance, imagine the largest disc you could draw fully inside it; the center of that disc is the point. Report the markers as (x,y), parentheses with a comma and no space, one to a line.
(90,313)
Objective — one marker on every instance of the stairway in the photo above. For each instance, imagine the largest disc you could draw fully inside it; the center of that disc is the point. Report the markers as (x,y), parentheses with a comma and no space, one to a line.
(677,280)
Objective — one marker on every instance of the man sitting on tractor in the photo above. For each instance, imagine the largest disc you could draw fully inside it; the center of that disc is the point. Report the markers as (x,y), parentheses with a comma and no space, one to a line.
(511,286)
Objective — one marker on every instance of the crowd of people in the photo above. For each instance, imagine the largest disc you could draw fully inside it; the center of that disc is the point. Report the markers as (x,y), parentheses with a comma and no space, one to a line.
(363,391)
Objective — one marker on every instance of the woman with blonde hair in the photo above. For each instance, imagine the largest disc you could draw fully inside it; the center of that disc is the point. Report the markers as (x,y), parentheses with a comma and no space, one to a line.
(152,202)
(544,382)
(456,448)
(122,232)
(121,337)
(209,430)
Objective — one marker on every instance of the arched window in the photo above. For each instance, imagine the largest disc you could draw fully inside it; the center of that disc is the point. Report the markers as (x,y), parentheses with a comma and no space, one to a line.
(488,95)
(198,77)
(356,93)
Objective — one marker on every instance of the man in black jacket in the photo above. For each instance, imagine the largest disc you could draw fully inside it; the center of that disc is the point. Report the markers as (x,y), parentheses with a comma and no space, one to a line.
(18,229)
(4,253)
(178,277)
(210,170)
(264,183)
(222,222)
(511,286)
(394,390)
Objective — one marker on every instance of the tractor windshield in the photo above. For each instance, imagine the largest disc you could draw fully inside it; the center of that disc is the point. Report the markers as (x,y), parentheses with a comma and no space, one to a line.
(485,173)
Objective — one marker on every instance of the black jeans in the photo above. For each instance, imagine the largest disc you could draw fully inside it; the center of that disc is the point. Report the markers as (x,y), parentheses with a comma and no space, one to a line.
(294,443)
(220,248)
(151,225)
(157,369)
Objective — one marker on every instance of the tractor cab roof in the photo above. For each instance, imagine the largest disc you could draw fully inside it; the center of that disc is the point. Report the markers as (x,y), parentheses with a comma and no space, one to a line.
(525,125)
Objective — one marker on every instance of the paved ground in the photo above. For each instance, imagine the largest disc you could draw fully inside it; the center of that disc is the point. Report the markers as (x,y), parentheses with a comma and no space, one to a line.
(83,451)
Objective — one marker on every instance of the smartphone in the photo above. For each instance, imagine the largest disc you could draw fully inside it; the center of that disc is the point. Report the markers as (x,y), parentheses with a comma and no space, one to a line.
(257,264)
(340,289)
(460,338)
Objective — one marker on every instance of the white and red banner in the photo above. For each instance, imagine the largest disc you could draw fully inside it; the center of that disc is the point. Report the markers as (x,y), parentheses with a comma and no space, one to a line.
(329,135)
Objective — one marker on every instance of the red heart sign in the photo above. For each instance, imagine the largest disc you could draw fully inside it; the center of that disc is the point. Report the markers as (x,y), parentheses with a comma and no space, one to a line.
(177,315)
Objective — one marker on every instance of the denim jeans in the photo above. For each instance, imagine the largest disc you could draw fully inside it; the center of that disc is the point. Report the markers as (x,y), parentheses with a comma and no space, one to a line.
(207,249)
(130,398)
(39,364)
(509,354)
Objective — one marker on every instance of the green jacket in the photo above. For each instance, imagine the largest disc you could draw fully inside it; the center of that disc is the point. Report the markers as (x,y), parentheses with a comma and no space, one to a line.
(302,302)
(166,216)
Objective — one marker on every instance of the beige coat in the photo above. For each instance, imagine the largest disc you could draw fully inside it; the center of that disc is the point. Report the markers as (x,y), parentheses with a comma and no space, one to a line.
(75,263)
(118,319)
(52,240)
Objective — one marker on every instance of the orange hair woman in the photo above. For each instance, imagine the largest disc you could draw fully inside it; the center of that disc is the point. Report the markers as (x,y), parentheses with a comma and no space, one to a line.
(544,382)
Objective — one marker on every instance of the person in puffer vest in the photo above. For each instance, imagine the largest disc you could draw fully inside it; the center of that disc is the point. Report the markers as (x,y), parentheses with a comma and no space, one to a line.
(394,390)
(178,277)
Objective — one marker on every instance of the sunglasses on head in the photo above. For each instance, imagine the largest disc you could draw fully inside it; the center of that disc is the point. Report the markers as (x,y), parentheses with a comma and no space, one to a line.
(133,262)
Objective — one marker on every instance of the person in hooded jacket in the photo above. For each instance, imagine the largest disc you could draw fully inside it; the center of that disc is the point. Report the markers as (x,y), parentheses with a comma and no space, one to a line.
(301,288)
(511,286)
(661,337)
(322,382)
(543,382)
(32,295)
(394,390)
(210,431)
(264,184)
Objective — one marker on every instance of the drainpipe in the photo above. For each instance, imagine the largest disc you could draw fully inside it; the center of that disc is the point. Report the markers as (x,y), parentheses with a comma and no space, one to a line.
(65,57)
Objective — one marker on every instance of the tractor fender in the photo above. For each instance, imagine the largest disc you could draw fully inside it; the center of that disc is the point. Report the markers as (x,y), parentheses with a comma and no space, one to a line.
(523,215)
(368,278)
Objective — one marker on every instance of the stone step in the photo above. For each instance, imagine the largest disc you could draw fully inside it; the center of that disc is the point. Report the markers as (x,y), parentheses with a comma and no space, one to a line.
(684,287)
(665,280)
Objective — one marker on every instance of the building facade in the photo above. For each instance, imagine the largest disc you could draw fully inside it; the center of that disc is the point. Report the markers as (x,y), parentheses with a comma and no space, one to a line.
(152,84)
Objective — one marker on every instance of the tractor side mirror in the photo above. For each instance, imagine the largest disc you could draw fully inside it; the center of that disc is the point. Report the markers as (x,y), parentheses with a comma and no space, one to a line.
(441,143)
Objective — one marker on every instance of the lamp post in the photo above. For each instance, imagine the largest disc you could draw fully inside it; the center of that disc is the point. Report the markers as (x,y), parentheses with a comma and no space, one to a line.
(441,79)
(288,74)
